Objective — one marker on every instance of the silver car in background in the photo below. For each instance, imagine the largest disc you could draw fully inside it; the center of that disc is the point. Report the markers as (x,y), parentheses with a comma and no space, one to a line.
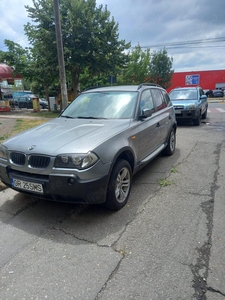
(91,151)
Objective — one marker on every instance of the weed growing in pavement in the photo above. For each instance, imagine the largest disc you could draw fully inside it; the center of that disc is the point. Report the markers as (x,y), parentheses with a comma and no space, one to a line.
(174,170)
(165,182)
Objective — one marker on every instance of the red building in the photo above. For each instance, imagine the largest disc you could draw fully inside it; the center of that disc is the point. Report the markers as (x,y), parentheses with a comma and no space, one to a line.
(207,80)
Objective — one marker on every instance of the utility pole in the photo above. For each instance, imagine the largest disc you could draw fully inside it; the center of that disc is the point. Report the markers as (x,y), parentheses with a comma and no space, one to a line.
(62,72)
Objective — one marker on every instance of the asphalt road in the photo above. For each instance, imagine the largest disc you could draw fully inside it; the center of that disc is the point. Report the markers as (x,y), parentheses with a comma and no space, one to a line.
(167,243)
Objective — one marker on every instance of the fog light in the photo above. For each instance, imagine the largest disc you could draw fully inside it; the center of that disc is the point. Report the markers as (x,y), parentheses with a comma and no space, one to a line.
(71,180)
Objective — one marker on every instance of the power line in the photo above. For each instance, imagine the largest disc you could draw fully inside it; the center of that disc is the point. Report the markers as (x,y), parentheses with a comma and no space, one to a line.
(201,43)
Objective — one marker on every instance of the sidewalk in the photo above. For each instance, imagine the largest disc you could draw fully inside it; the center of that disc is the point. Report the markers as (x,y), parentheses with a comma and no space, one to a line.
(25,114)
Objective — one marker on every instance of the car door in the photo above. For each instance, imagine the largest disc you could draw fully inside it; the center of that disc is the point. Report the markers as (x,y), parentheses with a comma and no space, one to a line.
(148,127)
(22,102)
(29,102)
(163,109)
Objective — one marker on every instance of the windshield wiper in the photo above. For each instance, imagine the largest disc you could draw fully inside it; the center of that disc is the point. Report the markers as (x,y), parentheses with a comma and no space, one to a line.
(68,117)
(80,117)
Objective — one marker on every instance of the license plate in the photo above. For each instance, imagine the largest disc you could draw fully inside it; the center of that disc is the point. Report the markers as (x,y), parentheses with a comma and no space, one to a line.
(27,186)
(177,111)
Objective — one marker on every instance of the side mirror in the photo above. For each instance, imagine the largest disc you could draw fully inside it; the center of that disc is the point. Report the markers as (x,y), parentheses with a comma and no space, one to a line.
(145,113)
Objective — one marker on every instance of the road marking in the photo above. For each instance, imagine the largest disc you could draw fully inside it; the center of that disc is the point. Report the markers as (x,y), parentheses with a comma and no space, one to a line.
(216,110)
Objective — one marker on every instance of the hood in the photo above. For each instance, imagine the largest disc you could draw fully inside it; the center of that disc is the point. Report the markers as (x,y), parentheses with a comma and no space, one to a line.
(63,135)
(184,103)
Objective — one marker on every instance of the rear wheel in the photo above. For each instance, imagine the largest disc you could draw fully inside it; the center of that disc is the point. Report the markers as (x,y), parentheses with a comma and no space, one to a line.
(119,185)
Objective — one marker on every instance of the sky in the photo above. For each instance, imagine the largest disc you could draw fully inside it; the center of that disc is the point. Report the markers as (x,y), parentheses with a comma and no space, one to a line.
(192,32)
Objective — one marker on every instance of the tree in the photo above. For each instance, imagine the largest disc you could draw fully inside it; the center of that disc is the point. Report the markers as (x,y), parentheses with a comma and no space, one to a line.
(90,37)
(161,71)
(137,68)
(17,57)
(42,37)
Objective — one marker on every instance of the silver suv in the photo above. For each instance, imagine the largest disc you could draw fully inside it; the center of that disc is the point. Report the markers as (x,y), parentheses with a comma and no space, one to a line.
(90,152)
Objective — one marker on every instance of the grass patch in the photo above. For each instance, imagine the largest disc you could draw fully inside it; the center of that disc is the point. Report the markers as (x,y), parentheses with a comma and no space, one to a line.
(165,182)
(24,124)
(4,137)
(46,114)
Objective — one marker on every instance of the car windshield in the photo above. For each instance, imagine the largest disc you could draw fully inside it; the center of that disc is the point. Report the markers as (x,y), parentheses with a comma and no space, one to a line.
(183,94)
(102,105)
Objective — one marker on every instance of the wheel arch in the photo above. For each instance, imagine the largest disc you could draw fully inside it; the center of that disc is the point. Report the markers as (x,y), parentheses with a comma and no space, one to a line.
(126,154)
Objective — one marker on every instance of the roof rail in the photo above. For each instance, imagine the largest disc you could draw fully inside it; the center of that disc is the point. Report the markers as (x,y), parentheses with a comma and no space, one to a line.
(148,84)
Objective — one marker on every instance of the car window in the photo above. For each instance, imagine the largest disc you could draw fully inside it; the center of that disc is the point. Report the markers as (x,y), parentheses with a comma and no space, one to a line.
(185,94)
(110,104)
(146,101)
(166,97)
(159,100)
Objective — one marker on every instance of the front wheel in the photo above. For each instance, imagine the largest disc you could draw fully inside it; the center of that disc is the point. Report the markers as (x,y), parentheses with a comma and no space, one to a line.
(204,115)
(170,148)
(119,185)
(197,121)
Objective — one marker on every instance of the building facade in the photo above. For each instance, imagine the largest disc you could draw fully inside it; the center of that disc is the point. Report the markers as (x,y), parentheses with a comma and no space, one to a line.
(208,80)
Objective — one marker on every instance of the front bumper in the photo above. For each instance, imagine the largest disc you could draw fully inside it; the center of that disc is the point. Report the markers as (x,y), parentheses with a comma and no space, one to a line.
(186,114)
(60,187)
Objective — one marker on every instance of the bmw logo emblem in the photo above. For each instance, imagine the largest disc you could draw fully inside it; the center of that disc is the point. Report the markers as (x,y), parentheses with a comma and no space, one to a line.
(32,147)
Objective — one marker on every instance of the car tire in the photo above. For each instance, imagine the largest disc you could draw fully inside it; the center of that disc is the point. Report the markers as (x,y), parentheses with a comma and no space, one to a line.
(171,145)
(119,185)
(197,121)
(204,115)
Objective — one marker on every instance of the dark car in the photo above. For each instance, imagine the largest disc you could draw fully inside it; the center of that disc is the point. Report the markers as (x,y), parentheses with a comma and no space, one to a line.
(91,151)
(217,93)
(26,101)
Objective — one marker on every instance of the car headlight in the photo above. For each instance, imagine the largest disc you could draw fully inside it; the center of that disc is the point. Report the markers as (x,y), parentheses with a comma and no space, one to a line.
(3,152)
(192,106)
(75,161)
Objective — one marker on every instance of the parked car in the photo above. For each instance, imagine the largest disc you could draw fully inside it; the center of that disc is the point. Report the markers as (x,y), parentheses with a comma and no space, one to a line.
(26,101)
(190,103)
(90,152)
(43,103)
(217,94)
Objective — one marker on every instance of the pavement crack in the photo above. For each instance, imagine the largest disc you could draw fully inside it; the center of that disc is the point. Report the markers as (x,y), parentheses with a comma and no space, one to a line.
(200,269)
(72,234)
(215,291)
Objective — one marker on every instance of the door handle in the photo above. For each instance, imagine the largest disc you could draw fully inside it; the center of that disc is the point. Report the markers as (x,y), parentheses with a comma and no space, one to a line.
(158,124)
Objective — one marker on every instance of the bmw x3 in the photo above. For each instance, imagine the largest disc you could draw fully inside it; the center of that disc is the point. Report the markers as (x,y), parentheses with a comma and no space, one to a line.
(91,151)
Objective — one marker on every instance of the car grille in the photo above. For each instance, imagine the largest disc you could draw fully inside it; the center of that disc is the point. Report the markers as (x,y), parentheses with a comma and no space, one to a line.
(178,107)
(40,162)
(18,158)
(34,161)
